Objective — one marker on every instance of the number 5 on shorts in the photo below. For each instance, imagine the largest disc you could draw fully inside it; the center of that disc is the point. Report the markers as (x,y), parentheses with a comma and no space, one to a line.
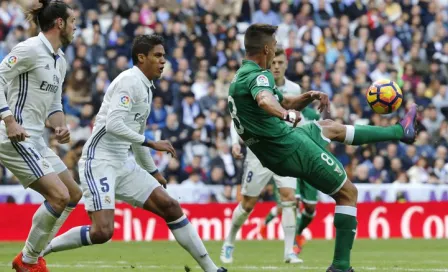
(104,185)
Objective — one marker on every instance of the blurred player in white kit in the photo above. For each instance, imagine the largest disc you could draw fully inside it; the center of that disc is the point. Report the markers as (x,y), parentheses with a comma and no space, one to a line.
(31,79)
(107,173)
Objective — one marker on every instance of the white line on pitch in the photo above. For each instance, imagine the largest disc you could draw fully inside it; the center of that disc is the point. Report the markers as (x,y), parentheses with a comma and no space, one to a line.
(270,268)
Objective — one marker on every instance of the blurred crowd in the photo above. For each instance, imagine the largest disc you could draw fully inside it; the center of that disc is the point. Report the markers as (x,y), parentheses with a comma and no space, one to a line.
(336,46)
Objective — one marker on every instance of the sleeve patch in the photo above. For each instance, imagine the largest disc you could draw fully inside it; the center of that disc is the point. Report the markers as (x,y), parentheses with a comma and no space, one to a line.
(262,80)
(11,61)
(125,101)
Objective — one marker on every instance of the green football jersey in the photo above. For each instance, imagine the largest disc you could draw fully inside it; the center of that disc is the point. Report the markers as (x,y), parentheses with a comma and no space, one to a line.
(269,137)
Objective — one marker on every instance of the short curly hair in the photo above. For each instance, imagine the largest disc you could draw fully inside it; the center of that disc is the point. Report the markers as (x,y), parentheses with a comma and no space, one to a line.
(143,44)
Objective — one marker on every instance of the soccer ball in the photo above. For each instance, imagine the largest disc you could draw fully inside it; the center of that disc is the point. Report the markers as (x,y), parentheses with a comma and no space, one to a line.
(384,96)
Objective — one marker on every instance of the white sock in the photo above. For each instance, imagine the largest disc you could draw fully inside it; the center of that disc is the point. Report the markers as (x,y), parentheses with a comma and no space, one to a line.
(44,220)
(289,224)
(189,239)
(59,223)
(74,238)
(274,211)
(238,218)
(349,134)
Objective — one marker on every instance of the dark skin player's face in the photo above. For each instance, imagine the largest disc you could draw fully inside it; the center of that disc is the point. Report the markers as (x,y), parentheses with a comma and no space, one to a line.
(152,65)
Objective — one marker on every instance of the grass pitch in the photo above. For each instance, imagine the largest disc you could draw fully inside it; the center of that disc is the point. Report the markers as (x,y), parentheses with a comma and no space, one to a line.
(368,255)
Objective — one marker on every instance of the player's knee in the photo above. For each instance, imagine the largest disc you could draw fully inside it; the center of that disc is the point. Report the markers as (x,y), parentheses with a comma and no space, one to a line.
(287,194)
(59,199)
(171,208)
(310,208)
(75,196)
(248,203)
(348,195)
(101,234)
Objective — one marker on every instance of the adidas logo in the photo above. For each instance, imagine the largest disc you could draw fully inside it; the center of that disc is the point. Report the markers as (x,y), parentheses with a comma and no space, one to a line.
(47,67)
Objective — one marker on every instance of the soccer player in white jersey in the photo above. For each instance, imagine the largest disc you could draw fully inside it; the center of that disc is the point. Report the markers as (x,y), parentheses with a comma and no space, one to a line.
(31,79)
(256,177)
(107,173)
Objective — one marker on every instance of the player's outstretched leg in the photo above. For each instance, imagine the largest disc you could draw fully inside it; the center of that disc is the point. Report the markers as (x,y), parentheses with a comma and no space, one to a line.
(56,199)
(404,131)
(239,216)
(160,203)
(345,223)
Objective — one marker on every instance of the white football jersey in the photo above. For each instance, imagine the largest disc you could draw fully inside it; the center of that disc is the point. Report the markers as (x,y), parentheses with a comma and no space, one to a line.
(290,88)
(121,121)
(31,78)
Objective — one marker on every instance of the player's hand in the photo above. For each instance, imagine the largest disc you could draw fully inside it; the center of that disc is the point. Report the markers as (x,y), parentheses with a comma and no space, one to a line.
(324,100)
(160,179)
(236,152)
(163,146)
(293,117)
(15,132)
(62,135)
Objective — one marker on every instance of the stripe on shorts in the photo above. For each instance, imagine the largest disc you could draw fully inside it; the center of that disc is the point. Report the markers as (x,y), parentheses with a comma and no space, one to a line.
(88,169)
(32,164)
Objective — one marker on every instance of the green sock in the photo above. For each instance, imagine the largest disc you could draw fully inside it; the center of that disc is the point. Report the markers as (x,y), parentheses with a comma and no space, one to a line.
(298,221)
(359,135)
(271,215)
(304,222)
(345,224)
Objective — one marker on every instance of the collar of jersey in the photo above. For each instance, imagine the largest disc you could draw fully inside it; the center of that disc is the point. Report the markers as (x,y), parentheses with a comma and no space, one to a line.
(48,44)
(251,62)
(142,76)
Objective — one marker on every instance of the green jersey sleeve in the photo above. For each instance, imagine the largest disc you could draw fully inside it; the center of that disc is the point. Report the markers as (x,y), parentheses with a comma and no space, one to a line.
(261,82)
(278,94)
(310,114)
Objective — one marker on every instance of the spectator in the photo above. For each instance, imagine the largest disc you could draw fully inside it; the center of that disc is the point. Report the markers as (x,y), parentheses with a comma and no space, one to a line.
(157,117)
(265,15)
(418,173)
(176,132)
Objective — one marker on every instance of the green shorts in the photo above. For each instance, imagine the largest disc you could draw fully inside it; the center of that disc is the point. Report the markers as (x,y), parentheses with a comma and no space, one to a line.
(312,162)
(305,192)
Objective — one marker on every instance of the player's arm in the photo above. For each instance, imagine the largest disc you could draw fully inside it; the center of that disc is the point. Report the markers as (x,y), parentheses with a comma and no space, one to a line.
(262,90)
(15,63)
(56,117)
(121,104)
(299,102)
(144,159)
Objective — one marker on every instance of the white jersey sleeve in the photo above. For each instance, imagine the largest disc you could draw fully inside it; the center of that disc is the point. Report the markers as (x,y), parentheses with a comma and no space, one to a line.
(143,157)
(120,107)
(18,61)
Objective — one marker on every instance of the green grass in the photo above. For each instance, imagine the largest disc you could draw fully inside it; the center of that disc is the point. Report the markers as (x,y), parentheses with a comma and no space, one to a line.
(368,255)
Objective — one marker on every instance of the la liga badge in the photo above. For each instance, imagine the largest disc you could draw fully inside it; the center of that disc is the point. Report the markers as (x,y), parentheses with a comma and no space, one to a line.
(262,80)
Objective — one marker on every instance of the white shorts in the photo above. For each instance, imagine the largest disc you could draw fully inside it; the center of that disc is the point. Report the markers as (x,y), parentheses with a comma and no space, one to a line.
(256,177)
(103,181)
(28,162)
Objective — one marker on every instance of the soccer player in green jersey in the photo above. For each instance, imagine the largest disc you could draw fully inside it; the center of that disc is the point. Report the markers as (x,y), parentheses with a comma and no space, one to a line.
(259,110)
(256,177)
